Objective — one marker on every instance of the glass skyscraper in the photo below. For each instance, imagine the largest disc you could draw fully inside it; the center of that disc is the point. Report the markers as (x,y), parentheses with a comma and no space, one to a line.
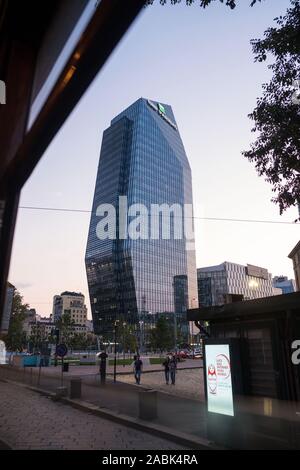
(137,279)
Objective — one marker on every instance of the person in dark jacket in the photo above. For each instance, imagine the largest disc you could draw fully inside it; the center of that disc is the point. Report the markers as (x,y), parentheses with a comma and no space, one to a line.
(103,356)
(173,367)
(138,367)
(166,365)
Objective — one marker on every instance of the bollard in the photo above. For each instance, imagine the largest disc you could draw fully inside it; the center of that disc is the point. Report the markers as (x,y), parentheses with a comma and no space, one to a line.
(148,404)
(75,388)
(61,392)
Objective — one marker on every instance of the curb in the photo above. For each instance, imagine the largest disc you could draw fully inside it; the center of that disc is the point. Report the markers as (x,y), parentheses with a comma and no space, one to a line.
(136,423)
(153,371)
(4,445)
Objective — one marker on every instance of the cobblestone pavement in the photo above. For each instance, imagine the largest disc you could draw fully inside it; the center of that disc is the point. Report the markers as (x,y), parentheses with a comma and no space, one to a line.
(189,383)
(32,421)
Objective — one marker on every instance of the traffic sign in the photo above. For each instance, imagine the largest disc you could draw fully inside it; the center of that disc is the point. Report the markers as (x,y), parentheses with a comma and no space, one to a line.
(61,350)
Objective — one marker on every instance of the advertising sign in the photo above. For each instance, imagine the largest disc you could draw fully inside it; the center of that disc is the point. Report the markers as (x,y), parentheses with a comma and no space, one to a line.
(218,379)
(2,352)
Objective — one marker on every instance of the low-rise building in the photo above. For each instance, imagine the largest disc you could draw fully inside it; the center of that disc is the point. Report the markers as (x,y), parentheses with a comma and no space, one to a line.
(89,326)
(70,303)
(10,289)
(295,257)
(228,282)
(44,328)
(286,285)
(30,319)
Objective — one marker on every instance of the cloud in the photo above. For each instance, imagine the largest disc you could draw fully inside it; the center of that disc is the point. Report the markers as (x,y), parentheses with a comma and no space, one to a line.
(22,285)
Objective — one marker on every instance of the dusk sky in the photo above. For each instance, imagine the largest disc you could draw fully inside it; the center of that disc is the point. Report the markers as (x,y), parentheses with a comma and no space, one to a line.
(201,63)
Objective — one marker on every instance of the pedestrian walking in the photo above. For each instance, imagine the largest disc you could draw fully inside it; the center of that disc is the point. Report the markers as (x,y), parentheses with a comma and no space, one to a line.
(103,357)
(138,367)
(173,367)
(166,365)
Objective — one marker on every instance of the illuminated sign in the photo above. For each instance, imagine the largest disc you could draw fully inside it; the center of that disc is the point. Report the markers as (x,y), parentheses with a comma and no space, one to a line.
(218,379)
(2,352)
(162,112)
(161,108)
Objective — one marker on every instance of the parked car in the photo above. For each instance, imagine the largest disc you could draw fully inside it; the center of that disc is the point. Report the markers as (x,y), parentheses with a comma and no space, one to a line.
(184,353)
(196,353)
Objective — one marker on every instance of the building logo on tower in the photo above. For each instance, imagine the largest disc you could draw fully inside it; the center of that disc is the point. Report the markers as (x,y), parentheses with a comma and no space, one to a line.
(162,112)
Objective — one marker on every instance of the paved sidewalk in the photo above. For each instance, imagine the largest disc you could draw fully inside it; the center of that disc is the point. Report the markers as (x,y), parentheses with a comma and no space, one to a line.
(31,421)
(189,383)
(174,410)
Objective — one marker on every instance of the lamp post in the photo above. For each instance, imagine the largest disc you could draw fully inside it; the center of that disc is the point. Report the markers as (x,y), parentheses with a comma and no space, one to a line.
(141,348)
(115,358)
(175,331)
(56,333)
(124,326)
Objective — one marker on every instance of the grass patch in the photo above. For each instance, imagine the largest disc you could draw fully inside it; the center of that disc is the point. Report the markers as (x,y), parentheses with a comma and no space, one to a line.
(69,361)
(121,362)
(156,360)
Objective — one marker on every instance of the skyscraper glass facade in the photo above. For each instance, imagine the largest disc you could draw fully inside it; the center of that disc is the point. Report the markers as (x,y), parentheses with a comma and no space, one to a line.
(142,157)
(286,285)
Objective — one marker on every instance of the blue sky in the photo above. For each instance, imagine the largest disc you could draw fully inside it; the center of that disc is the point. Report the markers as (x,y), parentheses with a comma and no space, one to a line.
(201,63)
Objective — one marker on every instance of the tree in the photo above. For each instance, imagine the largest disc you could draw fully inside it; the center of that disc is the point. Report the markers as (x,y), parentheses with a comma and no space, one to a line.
(162,336)
(127,336)
(202,3)
(276,150)
(37,337)
(16,338)
(78,341)
(65,324)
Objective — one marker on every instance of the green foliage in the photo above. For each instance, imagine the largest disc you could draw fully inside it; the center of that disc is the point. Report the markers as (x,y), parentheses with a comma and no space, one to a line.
(276,150)
(38,336)
(126,335)
(78,341)
(16,338)
(65,324)
(161,337)
(202,3)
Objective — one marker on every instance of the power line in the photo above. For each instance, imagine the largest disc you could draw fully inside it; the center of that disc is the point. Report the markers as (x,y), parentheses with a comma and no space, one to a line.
(220,219)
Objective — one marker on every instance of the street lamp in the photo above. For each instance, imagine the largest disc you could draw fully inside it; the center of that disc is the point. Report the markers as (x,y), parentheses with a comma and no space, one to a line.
(115,358)
(141,336)
(124,325)
(175,331)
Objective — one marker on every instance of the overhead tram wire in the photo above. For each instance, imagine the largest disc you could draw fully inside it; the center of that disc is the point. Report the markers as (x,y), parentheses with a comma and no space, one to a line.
(218,219)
